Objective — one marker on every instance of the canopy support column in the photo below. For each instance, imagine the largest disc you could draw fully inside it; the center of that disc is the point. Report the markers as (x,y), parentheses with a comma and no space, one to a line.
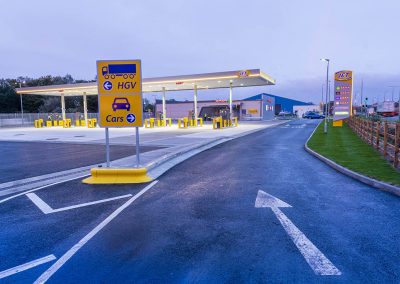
(85,108)
(195,103)
(230,101)
(164,108)
(63,106)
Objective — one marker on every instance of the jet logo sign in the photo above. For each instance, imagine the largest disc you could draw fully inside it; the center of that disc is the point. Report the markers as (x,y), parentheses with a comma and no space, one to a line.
(343,75)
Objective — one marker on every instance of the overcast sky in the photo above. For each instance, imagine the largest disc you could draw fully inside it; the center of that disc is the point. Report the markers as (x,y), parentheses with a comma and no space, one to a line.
(285,39)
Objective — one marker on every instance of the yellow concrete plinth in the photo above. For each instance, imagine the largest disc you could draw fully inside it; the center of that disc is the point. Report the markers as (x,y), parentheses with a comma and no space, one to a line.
(117,176)
(338,123)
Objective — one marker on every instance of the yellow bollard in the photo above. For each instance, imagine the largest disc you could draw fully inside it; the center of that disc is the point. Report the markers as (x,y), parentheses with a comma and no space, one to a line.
(183,122)
(77,123)
(217,122)
(94,122)
(61,123)
(83,123)
(48,123)
(235,121)
(67,123)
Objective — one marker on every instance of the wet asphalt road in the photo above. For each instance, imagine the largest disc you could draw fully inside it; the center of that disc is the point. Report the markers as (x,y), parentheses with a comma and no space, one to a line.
(21,160)
(199,223)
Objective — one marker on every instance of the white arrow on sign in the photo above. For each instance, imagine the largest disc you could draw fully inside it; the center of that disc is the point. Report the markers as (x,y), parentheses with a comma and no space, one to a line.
(314,257)
(107,85)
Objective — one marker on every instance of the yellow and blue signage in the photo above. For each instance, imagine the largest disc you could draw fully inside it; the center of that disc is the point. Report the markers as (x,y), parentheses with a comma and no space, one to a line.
(119,77)
(120,93)
(343,96)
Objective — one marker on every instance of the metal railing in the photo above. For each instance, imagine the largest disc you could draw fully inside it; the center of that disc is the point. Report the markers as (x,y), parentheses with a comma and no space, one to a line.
(15,119)
(383,136)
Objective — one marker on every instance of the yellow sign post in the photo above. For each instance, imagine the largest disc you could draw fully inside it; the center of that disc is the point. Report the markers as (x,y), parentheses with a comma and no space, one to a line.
(120,93)
(120,97)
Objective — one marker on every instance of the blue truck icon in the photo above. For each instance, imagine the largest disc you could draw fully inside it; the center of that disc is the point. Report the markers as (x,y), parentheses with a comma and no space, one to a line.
(124,70)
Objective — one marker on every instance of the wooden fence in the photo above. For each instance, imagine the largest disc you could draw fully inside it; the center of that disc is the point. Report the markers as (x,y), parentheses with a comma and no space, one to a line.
(383,136)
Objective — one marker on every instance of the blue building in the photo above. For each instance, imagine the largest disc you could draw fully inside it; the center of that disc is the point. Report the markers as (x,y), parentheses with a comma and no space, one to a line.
(281,103)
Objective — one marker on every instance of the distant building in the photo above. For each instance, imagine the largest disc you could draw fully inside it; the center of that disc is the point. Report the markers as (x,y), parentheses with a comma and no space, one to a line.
(260,107)
(281,103)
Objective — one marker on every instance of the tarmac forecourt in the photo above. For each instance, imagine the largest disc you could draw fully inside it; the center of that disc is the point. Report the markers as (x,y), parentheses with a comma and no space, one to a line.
(51,206)
(212,218)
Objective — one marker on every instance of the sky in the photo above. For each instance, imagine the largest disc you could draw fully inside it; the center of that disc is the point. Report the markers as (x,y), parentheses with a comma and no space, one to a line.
(285,39)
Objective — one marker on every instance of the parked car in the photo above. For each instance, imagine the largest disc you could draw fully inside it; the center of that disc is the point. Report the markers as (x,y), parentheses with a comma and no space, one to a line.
(313,115)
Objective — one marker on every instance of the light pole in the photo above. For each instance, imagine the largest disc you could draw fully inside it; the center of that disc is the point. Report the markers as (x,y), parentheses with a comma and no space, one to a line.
(329,99)
(326,94)
(20,98)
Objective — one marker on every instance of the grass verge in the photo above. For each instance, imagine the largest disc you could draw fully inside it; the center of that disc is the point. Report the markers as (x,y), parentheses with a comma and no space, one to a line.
(345,148)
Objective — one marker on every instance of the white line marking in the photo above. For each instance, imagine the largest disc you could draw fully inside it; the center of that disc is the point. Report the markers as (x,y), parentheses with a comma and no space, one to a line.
(60,262)
(46,209)
(92,203)
(314,257)
(41,187)
(26,266)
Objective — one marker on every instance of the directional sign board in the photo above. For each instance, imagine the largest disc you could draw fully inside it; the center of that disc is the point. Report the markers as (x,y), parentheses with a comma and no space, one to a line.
(343,96)
(119,77)
(120,93)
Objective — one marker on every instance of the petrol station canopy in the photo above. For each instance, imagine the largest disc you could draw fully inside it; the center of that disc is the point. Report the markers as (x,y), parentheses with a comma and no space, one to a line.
(241,78)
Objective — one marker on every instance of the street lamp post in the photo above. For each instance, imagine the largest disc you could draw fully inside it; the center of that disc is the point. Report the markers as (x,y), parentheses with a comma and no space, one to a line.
(326,94)
(20,98)
(329,99)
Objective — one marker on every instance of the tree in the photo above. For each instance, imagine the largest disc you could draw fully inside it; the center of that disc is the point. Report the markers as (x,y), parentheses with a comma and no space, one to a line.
(51,104)
(9,100)
(147,106)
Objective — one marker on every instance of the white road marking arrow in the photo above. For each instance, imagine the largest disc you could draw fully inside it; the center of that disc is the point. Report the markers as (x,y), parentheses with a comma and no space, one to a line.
(314,257)
(46,209)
